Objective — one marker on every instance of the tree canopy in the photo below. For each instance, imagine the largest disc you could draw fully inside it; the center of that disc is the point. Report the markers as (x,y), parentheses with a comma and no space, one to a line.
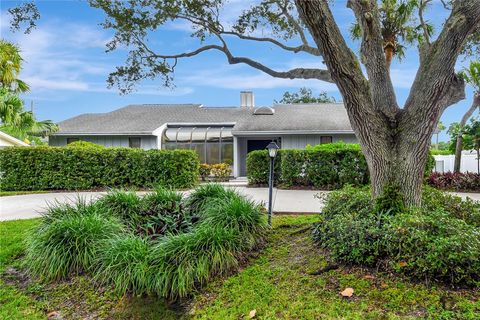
(305,95)
(394,138)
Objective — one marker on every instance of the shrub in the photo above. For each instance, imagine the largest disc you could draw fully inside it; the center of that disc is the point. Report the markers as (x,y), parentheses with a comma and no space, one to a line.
(125,205)
(258,167)
(84,144)
(220,171)
(91,238)
(206,194)
(438,241)
(323,166)
(455,181)
(434,245)
(123,263)
(185,261)
(43,168)
(67,241)
(204,171)
(163,214)
(326,166)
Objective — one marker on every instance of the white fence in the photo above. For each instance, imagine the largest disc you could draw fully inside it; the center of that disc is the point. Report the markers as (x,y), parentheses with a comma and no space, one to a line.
(445,163)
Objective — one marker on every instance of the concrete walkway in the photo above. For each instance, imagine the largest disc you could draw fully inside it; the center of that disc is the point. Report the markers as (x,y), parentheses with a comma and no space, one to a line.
(33,205)
(284,201)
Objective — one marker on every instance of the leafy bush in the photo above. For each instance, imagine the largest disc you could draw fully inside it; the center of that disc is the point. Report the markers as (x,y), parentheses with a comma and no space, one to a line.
(206,194)
(455,181)
(68,240)
(84,144)
(215,172)
(43,168)
(438,241)
(220,171)
(123,263)
(163,214)
(434,245)
(204,171)
(258,167)
(323,166)
(326,166)
(161,248)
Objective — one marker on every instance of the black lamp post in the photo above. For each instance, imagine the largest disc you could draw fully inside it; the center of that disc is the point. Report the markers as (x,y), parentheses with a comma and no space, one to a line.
(272,152)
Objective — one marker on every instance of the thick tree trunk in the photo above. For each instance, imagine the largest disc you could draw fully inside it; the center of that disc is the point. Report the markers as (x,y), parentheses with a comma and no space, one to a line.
(400,162)
(395,140)
(459,142)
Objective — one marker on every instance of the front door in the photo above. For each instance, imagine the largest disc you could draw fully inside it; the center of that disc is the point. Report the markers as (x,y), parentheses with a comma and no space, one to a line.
(253,145)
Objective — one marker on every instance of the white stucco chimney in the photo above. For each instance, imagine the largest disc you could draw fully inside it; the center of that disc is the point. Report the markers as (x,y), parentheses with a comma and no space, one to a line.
(247,100)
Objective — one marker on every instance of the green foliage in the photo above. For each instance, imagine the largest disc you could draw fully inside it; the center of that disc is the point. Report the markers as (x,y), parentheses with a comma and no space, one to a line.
(437,241)
(163,214)
(215,172)
(326,166)
(68,240)
(59,168)
(435,245)
(390,201)
(122,262)
(444,152)
(305,95)
(84,144)
(151,244)
(203,195)
(258,166)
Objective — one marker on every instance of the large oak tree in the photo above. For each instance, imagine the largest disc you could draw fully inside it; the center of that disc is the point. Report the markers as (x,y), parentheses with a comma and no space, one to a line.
(395,139)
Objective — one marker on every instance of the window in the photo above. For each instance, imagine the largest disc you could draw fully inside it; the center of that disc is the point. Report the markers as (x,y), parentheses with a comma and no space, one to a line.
(70,140)
(134,142)
(326,139)
(213,144)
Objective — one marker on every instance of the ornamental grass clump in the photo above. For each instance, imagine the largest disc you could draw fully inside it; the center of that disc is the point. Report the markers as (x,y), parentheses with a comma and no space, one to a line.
(205,194)
(68,240)
(122,261)
(156,244)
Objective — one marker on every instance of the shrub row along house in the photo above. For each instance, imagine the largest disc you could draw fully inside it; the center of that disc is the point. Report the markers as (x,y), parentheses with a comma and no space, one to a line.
(219,135)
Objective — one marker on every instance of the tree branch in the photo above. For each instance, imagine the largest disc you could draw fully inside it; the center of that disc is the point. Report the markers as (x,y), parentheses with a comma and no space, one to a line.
(426,33)
(305,48)
(373,56)
(297,73)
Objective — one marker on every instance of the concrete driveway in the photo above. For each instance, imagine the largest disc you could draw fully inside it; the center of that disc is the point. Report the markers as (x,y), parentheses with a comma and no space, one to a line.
(284,201)
(33,205)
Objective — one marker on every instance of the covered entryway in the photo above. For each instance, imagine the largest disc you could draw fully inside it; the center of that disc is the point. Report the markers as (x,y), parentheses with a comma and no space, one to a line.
(244,145)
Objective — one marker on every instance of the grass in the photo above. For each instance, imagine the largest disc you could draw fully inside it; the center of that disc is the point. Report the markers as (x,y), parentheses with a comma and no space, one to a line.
(16,193)
(277,284)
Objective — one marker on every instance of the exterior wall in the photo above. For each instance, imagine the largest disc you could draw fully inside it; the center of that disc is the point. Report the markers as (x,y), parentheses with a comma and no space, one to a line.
(302,140)
(5,143)
(147,142)
(445,163)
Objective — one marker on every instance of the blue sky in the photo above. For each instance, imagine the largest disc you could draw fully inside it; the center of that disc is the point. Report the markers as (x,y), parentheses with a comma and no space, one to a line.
(66,65)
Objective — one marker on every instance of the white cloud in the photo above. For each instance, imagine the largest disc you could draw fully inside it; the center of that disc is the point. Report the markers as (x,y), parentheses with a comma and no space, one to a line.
(231,77)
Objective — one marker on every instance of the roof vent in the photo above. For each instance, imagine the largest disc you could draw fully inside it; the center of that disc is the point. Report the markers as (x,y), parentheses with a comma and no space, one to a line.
(264,111)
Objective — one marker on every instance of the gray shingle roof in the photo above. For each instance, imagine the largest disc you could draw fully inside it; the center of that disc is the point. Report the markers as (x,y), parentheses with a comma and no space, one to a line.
(144,119)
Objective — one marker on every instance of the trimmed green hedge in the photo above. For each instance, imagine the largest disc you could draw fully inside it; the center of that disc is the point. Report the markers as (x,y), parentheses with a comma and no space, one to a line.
(326,166)
(57,168)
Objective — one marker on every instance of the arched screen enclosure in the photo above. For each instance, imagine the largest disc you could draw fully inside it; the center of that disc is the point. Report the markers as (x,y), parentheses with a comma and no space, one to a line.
(214,144)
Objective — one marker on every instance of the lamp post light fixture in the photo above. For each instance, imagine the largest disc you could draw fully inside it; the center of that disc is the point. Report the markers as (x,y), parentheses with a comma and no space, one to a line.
(272,152)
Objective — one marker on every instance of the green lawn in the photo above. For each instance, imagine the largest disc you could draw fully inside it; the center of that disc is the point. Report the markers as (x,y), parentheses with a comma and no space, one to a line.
(16,193)
(277,284)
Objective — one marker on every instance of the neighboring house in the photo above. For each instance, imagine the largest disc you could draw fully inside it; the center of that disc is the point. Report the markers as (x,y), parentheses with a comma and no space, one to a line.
(217,134)
(7,140)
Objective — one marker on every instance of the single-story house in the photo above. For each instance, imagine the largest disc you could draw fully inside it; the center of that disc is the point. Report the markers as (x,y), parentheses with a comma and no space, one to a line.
(218,134)
(7,140)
